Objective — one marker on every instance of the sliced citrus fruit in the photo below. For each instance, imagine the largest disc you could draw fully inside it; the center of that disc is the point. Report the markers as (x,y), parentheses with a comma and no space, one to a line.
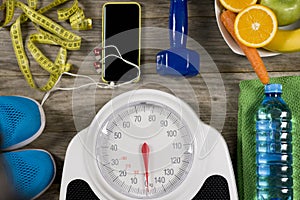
(237,5)
(255,26)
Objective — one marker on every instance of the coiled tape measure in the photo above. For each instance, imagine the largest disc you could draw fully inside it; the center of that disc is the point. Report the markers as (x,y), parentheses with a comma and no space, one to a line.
(52,34)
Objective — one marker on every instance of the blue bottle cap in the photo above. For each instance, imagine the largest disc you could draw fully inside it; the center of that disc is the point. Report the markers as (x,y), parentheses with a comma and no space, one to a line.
(273,88)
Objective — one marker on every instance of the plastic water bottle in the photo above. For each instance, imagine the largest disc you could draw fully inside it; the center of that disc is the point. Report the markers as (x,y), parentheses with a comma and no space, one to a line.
(274,147)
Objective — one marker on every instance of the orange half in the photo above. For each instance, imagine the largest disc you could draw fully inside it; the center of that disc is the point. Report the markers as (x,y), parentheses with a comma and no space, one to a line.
(255,26)
(237,5)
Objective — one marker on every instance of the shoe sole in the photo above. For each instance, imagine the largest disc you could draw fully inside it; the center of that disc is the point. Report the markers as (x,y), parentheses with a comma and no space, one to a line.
(37,134)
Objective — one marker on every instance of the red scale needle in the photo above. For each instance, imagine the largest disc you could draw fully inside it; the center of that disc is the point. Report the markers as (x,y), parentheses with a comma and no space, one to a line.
(145,153)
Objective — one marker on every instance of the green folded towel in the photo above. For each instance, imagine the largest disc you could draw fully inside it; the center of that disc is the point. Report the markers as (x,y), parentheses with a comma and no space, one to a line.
(251,96)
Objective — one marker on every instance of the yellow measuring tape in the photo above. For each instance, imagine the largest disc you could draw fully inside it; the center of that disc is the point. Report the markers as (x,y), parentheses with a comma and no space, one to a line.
(49,32)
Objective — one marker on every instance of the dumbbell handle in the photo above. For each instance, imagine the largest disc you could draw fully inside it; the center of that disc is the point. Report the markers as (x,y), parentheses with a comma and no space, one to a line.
(178,23)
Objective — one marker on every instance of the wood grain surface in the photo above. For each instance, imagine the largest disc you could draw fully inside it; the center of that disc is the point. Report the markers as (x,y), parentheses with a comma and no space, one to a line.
(218,84)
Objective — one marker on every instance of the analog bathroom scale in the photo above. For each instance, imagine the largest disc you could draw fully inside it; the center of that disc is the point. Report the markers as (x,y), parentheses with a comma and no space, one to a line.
(148,144)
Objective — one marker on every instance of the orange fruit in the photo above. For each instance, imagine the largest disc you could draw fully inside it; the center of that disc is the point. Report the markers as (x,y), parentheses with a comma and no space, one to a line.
(237,5)
(255,26)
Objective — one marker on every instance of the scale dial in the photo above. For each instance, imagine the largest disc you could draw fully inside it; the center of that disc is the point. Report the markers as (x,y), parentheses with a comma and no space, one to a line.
(147,144)
(144,150)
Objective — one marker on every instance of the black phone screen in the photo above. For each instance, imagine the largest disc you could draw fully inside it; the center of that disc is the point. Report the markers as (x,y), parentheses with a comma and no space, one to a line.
(121,28)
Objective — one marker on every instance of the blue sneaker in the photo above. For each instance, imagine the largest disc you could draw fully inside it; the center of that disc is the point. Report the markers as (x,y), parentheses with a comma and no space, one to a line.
(22,120)
(31,171)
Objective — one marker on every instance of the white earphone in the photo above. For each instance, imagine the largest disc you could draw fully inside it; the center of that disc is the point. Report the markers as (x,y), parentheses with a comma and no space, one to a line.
(97,66)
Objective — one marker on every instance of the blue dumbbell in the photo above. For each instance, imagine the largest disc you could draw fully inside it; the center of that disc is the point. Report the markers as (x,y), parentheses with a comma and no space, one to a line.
(178,60)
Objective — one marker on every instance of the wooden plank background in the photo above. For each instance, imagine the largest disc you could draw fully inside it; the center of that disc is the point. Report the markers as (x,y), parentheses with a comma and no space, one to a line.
(61,126)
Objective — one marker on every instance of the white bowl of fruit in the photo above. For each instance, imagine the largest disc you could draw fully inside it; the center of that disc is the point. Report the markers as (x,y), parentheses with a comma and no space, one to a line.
(287,36)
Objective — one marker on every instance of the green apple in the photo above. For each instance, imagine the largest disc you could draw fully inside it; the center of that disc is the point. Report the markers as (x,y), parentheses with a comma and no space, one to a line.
(286,11)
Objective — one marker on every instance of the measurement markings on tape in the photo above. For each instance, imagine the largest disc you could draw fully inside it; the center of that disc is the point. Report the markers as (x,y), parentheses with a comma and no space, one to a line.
(51,34)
